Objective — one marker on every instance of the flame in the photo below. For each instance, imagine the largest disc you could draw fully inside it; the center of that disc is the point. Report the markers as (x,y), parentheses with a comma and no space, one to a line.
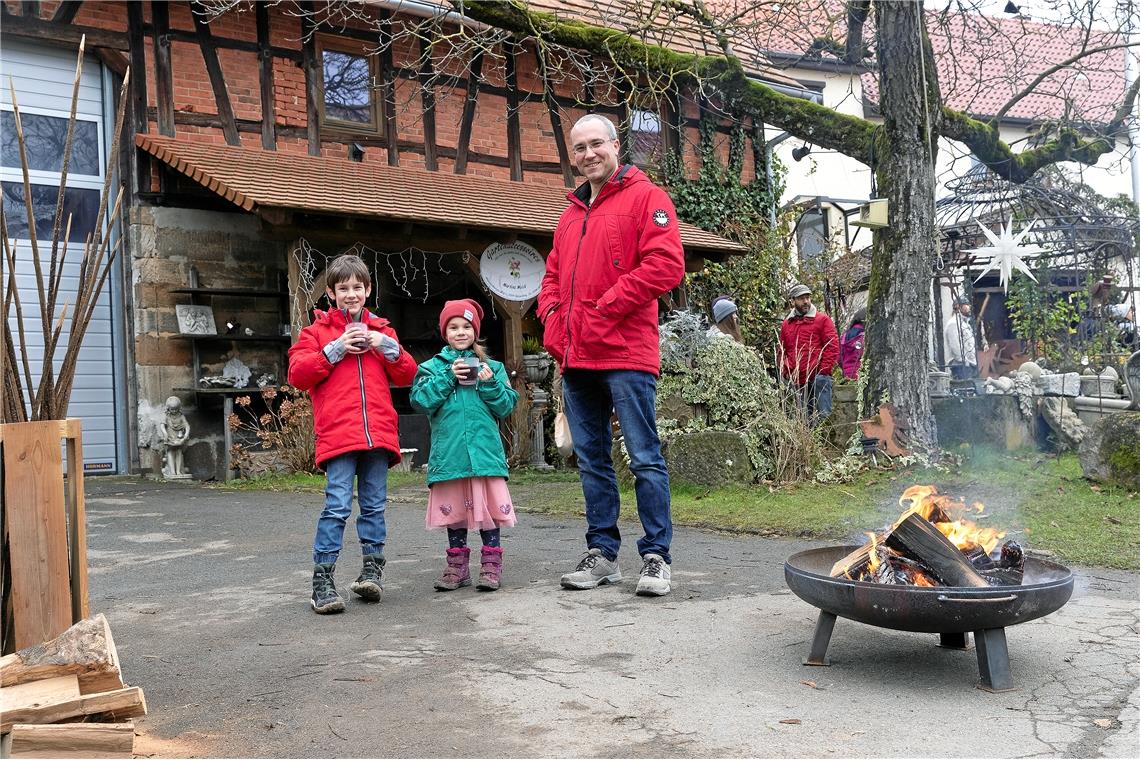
(926,502)
(873,555)
(946,513)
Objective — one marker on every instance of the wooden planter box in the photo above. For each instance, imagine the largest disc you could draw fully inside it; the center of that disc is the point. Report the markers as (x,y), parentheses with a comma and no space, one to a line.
(45,532)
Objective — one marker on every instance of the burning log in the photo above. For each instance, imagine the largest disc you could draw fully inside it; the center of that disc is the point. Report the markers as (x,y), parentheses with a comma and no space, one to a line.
(931,544)
(1012,556)
(979,558)
(919,538)
(1010,567)
(854,563)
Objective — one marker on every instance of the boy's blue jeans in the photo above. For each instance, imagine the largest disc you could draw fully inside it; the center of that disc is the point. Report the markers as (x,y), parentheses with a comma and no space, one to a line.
(370,470)
(591,396)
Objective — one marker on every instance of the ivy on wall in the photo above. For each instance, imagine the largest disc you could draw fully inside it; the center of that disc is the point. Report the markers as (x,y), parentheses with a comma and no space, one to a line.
(717,201)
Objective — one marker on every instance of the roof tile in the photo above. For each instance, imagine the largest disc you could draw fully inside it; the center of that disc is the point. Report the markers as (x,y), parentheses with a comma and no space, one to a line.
(254,179)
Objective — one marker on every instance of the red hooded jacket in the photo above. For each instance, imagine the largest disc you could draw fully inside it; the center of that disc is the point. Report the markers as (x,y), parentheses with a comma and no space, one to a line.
(809,346)
(352,402)
(610,262)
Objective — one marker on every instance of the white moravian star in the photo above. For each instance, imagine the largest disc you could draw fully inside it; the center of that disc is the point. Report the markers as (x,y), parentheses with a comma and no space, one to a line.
(1006,252)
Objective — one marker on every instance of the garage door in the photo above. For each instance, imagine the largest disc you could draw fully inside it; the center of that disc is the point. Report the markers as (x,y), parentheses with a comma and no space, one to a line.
(43,78)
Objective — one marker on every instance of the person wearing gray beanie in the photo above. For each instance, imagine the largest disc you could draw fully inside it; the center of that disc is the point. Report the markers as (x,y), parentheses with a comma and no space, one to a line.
(726,323)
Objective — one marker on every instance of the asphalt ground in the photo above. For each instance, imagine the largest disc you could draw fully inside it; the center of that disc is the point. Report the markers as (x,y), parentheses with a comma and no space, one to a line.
(207,594)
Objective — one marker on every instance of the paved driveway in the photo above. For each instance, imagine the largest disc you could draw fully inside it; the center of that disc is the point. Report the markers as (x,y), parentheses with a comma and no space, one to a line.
(207,594)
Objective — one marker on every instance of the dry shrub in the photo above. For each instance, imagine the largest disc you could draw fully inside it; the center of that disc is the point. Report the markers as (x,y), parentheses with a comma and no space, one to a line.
(285,428)
(794,446)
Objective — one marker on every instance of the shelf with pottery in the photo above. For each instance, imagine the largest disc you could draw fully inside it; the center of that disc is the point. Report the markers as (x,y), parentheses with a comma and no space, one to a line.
(202,307)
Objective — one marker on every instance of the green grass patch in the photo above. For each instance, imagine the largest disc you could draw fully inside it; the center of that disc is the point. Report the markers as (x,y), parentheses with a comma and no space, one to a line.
(1042,501)
(1037,499)
(816,510)
(305,483)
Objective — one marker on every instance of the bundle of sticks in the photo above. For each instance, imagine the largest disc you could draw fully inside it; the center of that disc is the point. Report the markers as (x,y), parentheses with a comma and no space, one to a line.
(66,697)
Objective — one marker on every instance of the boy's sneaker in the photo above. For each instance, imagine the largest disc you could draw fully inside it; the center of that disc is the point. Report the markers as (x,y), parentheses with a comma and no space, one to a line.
(325,599)
(654,577)
(592,571)
(367,585)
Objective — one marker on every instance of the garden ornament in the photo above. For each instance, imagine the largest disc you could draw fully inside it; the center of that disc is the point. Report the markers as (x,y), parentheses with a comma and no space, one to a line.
(175,432)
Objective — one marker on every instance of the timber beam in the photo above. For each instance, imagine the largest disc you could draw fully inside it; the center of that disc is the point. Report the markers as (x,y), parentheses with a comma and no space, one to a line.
(217,78)
(26,27)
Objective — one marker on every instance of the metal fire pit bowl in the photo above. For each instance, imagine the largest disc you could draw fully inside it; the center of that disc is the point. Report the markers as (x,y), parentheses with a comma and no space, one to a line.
(952,612)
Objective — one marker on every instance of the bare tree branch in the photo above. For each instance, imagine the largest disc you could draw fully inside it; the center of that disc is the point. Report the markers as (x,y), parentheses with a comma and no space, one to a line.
(857,11)
(1028,90)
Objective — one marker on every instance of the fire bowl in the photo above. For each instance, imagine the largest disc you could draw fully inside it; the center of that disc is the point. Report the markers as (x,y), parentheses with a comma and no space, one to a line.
(952,612)
(941,609)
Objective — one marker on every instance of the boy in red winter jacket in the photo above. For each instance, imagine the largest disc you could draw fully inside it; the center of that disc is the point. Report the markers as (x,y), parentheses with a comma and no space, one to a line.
(346,360)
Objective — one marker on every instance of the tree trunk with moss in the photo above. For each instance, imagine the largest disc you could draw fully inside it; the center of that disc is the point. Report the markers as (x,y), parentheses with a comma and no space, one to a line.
(899,331)
(900,293)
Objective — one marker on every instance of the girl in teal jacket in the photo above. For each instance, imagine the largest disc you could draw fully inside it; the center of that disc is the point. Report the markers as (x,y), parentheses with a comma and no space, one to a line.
(465,394)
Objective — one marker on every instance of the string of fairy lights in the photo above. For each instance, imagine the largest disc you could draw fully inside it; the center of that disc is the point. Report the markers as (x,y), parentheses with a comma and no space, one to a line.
(410,271)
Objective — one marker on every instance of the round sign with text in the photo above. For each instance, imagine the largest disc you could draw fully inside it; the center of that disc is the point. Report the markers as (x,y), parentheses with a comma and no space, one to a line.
(513,271)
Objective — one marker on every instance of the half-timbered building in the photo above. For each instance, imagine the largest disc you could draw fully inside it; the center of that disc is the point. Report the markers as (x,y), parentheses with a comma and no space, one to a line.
(263,139)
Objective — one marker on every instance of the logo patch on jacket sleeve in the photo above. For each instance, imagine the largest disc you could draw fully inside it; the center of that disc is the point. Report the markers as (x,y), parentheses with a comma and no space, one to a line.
(661,217)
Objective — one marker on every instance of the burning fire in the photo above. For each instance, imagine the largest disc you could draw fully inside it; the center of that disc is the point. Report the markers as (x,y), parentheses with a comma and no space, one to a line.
(940,510)
(887,558)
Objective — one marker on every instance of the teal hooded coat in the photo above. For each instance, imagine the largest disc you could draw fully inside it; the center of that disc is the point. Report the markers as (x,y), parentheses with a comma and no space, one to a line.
(464,419)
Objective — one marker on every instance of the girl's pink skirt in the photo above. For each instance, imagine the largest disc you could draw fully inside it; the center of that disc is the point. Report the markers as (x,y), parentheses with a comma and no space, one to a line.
(473,503)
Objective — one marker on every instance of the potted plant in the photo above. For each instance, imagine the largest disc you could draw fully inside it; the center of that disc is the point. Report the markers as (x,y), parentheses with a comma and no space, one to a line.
(536,361)
(44,534)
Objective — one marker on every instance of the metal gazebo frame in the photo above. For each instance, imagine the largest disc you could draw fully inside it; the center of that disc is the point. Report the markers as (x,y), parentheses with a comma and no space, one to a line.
(1082,237)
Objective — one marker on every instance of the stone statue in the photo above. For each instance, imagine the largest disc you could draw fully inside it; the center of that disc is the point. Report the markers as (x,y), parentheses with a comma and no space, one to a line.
(175,432)
(1132,379)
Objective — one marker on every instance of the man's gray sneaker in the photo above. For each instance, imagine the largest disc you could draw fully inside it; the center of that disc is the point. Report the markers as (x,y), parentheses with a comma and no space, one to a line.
(592,571)
(654,576)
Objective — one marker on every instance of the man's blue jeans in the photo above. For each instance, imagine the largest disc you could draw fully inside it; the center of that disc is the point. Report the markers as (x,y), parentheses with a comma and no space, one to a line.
(370,470)
(815,397)
(591,396)
(819,398)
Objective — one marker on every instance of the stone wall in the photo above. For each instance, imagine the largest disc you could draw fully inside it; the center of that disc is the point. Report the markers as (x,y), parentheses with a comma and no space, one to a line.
(228,251)
(991,420)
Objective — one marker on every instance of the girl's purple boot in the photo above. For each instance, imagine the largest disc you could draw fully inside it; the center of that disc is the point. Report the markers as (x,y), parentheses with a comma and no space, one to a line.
(490,568)
(457,573)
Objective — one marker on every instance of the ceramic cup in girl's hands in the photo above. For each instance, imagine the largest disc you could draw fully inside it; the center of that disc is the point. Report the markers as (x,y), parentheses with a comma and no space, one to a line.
(471,366)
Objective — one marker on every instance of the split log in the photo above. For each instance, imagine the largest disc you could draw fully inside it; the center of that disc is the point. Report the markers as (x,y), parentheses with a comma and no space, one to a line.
(978,557)
(85,649)
(1012,556)
(72,740)
(853,562)
(118,704)
(918,538)
(38,693)
(1001,576)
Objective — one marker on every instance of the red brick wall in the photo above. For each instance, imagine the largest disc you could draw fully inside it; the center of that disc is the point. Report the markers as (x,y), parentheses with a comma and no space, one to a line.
(193,94)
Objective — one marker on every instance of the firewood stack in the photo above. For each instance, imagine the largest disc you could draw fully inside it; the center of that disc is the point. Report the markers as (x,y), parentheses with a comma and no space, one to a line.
(66,697)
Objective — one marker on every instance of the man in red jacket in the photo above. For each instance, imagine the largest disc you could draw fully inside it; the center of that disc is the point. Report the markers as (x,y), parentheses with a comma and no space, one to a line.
(809,348)
(616,250)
